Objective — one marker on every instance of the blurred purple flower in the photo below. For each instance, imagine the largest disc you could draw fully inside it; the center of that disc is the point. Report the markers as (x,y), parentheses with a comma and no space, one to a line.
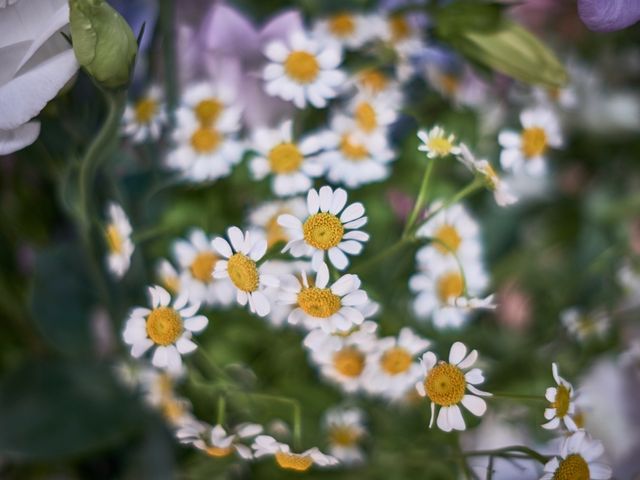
(608,15)
(226,46)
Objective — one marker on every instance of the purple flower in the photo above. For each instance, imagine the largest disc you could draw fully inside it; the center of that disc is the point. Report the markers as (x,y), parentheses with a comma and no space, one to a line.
(609,15)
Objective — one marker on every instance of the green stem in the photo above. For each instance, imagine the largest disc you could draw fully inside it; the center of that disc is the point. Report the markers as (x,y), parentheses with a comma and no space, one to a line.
(297,413)
(392,250)
(507,452)
(167,15)
(518,396)
(422,197)
(222,406)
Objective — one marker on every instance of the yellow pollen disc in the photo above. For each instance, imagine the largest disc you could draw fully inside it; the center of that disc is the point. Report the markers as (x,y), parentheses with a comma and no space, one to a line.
(171,283)
(145,109)
(343,436)
(563,400)
(202,266)
(365,116)
(218,451)
(285,158)
(349,362)
(318,302)
(534,142)
(396,360)
(301,66)
(293,461)
(208,110)
(323,230)
(342,25)
(440,145)
(373,80)
(445,384)
(400,28)
(352,149)
(164,325)
(449,286)
(114,239)
(243,272)
(448,239)
(449,83)
(173,410)
(205,140)
(574,467)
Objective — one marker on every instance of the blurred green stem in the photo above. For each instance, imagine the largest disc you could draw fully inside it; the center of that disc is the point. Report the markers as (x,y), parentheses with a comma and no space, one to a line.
(297,413)
(422,197)
(222,407)
(508,452)
(518,396)
(167,15)
(392,250)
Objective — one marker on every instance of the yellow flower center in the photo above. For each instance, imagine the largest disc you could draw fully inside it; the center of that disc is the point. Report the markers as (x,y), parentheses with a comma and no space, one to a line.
(207,111)
(449,286)
(365,116)
(448,239)
(574,467)
(202,266)
(396,360)
(342,25)
(114,239)
(563,400)
(323,230)
(491,176)
(301,66)
(441,146)
(445,384)
(534,142)
(293,461)
(275,232)
(219,451)
(352,149)
(399,27)
(285,158)
(205,140)
(373,80)
(243,272)
(172,409)
(171,283)
(145,109)
(343,435)
(164,325)
(349,362)
(449,83)
(318,302)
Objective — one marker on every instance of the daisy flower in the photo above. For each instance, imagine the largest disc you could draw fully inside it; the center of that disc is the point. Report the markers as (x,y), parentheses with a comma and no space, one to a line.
(483,169)
(562,399)
(264,445)
(445,384)
(291,164)
(392,367)
(323,231)
(168,327)
(144,119)
(280,312)
(578,460)
(350,29)
(303,70)
(526,151)
(240,265)
(372,113)
(197,259)
(402,32)
(316,305)
(584,326)
(118,238)
(345,429)
(436,143)
(213,105)
(374,82)
(158,389)
(265,218)
(216,442)
(168,276)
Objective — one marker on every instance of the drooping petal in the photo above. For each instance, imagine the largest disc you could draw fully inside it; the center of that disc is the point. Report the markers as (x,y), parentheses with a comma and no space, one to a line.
(18,138)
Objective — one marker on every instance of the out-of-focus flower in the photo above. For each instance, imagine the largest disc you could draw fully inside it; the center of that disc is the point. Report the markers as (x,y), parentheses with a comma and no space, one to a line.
(217,442)
(350,29)
(118,237)
(445,385)
(143,120)
(158,388)
(214,104)
(562,400)
(345,430)
(35,63)
(436,143)
(279,314)
(265,445)
(608,15)
(265,218)
(578,460)
(168,277)
(584,326)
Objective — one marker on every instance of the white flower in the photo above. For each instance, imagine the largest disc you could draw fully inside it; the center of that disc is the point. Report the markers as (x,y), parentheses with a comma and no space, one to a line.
(265,218)
(197,259)
(583,326)
(345,429)
(158,388)
(562,399)
(292,164)
(35,63)
(577,460)
(403,33)
(350,29)
(318,306)
(566,98)
(436,143)
(167,327)
(213,105)
(462,85)
(144,119)
(372,113)
(501,189)
(265,445)
(241,267)
(354,157)
(118,237)
(280,268)
(392,367)
(323,231)
(374,82)
(446,383)
(216,442)
(303,70)
(168,276)
(526,151)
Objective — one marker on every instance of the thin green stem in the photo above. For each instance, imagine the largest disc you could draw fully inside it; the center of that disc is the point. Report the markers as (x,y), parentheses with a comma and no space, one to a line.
(507,452)
(167,16)
(222,407)
(422,197)
(392,250)
(518,396)
(297,413)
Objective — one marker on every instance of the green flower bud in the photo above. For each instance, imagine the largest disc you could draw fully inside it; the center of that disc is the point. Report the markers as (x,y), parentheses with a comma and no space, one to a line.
(103,42)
